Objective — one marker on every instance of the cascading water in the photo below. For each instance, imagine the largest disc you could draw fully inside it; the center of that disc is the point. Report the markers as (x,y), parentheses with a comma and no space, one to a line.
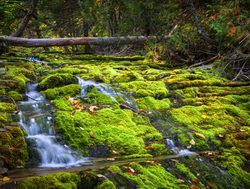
(35,117)
(104,89)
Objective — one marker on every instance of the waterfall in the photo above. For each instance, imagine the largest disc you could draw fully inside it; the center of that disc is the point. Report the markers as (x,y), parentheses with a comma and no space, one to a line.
(35,117)
(86,85)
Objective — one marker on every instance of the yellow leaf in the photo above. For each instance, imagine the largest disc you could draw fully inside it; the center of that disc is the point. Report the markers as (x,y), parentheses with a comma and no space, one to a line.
(6,179)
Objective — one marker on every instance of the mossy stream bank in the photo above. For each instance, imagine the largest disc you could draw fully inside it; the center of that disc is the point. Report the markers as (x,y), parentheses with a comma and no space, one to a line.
(194,108)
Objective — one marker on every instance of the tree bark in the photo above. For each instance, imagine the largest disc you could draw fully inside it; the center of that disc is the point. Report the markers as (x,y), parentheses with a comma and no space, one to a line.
(197,23)
(100,41)
(26,19)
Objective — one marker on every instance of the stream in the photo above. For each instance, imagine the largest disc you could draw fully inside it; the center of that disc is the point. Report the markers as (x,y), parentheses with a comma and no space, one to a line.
(36,118)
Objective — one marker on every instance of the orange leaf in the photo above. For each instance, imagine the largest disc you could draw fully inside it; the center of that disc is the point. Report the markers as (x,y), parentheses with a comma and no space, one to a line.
(232,31)
(91,134)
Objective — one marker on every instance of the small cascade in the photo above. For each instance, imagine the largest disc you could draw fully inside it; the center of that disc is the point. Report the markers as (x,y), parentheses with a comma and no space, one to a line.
(35,117)
(86,86)
(183,152)
(36,60)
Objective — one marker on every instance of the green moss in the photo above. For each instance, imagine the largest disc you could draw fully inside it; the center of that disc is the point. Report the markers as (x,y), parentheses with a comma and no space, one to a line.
(62,180)
(15,95)
(62,104)
(107,184)
(70,70)
(210,120)
(7,107)
(155,89)
(150,103)
(120,130)
(128,76)
(233,161)
(186,171)
(13,147)
(56,80)
(152,176)
(96,97)
(4,118)
(68,90)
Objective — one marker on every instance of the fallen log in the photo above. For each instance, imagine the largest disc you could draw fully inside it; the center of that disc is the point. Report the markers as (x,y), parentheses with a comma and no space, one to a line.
(100,41)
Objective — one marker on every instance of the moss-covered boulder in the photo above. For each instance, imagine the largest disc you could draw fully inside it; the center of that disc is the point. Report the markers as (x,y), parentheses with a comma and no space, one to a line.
(113,131)
(68,90)
(52,181)
(56,80)
(150,103)
(13,147)
(156,89)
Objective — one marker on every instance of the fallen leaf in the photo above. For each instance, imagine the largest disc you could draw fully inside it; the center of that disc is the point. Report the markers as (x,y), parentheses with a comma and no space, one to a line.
(148,147)
(91,134)
(192,142)
(131,171)
(242,130)
(92,109)
(195,180)
(111,159)
(194,187)
(221,136)
(181,181)
(114,152)
(5,179)
(200,135)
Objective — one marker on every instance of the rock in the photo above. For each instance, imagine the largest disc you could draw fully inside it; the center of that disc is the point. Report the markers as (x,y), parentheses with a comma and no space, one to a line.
(3,171)
(2,129)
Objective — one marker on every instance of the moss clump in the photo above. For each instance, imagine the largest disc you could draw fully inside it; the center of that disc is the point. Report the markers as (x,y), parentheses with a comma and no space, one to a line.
(150,103)
(211,120)
(233,161)
(62,104)
(122,131)
(56,80)
(7,107)
(96,97)
(4,118)
(156,89)
(68,90)
(70,70)
(53,181)
(127,77)
(148,176)
(13,147)
(15,95)
(107,184)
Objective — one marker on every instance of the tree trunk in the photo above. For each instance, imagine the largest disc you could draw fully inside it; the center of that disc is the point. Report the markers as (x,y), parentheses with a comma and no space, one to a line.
(26,19)
(100,41)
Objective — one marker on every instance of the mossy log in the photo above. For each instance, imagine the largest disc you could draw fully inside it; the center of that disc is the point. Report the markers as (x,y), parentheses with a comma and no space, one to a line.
(100,41)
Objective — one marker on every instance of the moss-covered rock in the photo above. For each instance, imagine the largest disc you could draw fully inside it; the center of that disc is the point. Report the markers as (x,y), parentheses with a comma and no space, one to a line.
(15,95)
(95,97)
(147,176)
(7,107)
(56,80)
(13,147)
(156,89)
(150,103)
(122,131)
(53,181)
(68,90)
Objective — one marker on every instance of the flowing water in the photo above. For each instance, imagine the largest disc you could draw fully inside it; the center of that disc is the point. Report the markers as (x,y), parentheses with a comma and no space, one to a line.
(36,118)
(87,85)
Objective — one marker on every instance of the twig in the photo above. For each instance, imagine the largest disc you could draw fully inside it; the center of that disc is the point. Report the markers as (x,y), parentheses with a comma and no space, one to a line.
(203,62)
(239,73)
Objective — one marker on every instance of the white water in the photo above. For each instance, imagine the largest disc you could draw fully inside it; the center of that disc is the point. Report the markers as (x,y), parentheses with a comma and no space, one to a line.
(104,89)
(183,152)
(35,117)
